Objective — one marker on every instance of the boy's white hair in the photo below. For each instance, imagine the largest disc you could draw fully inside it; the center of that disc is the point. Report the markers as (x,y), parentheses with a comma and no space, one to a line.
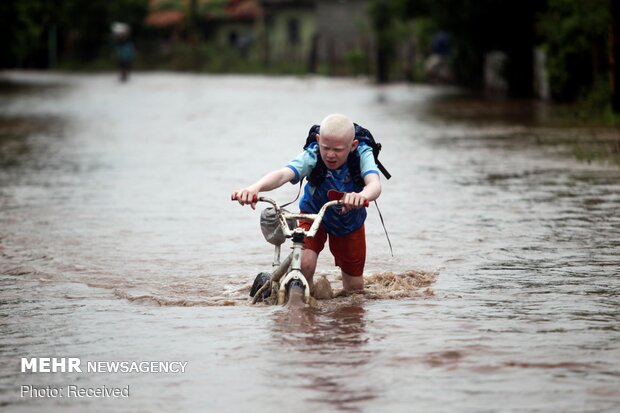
(337,125)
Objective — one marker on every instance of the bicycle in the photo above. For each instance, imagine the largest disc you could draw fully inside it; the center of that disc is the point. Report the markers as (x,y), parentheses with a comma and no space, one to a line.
(280,289)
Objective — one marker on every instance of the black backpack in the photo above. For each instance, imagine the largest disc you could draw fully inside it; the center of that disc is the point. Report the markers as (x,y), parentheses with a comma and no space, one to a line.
(362,135)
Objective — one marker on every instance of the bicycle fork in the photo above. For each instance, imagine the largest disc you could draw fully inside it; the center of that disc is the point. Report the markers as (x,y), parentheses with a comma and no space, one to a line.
(295,271)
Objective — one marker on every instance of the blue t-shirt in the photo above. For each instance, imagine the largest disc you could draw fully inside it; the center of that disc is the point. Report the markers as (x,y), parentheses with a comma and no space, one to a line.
(334,221)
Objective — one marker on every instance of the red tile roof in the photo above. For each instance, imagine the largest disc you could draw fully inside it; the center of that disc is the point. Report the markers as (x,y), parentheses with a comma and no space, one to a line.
(244,9)
(164,18)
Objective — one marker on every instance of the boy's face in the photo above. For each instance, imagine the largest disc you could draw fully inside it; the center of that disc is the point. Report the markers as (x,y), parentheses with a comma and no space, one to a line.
(335,149)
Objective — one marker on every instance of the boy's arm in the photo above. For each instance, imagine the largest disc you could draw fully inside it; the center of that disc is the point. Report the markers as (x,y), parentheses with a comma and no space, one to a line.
(268,182)
(371,191)
(372,188)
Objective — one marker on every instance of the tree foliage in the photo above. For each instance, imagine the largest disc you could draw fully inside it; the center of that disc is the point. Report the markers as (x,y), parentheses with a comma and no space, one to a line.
(81,27)
(575,34)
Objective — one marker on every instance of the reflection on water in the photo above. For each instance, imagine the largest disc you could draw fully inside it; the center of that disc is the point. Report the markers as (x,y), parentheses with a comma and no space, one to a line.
(118,241)
(324,353)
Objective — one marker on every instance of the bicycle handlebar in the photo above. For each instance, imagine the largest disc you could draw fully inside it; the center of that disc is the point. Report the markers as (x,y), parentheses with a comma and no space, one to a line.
(284,215)
(272,202)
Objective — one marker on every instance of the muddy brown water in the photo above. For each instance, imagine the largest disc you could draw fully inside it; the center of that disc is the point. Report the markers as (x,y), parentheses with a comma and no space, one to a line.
(118,241)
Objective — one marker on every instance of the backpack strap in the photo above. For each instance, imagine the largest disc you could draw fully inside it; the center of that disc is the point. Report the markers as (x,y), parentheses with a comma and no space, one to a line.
(363,135)
(318,173)
(353,162)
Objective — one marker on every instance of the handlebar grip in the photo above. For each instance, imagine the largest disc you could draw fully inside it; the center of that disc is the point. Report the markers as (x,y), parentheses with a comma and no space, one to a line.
(233,197)
(366,203)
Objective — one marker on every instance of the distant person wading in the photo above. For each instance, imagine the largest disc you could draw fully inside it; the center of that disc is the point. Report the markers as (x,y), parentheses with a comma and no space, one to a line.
(123,47)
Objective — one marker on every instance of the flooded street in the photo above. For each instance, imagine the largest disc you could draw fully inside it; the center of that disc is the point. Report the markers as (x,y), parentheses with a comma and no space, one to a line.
(118,241)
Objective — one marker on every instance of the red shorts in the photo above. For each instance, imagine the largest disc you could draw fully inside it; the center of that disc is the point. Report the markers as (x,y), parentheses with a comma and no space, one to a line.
(349,251)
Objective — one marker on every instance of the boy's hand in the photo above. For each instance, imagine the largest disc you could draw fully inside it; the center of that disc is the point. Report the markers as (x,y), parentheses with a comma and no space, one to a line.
(353,200)
(245,196)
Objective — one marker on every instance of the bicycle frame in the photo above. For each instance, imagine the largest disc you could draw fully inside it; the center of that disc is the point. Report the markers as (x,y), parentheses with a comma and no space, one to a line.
(290,268)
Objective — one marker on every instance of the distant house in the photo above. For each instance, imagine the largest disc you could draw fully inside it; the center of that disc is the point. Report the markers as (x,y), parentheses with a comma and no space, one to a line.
(343,29)
(291,30)
(225,23)
(238,26)
(317,32)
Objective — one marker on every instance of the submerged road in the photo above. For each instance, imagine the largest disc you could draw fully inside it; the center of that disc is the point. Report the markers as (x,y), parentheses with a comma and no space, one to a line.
(118,242)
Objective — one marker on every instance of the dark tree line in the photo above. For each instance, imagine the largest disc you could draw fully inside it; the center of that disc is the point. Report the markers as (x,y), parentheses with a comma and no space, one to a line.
(576,35)
(579,37)
(35,33)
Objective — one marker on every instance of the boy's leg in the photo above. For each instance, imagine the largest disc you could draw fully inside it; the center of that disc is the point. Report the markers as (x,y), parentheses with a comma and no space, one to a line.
(308,264)
(311,251)
(350,283)
(350,255)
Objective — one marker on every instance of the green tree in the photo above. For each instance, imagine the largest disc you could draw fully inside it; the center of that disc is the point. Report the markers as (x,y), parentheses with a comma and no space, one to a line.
(82,28)
(575,34)
(477,27)
(23,31)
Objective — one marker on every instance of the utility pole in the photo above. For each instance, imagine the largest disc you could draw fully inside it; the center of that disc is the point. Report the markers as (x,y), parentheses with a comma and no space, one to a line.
(191,32)
(261,34)
(381,22)
(52,47)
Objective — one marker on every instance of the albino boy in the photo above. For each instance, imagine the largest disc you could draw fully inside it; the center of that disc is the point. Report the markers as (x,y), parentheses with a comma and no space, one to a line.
(339,152)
